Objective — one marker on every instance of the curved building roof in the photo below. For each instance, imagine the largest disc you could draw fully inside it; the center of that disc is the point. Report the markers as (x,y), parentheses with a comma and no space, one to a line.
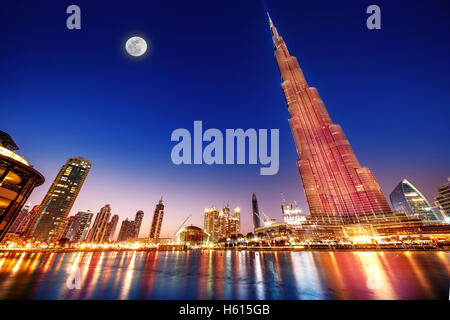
(407,198)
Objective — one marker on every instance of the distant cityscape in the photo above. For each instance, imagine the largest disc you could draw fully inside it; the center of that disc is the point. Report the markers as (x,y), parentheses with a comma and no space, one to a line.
(347,208)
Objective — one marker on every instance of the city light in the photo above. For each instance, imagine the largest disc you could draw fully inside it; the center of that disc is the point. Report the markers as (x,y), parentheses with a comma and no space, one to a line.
(12,155)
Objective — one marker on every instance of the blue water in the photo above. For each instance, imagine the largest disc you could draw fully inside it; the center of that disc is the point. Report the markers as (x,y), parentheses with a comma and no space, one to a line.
(213,274)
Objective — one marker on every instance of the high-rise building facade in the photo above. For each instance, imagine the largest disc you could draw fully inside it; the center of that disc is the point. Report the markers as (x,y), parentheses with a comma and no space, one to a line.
(17,181)
(255,213)
(158,216)
(21,220)
(138,222)
(59,199)
(80,227)
(234,223)
(31,224)
(67,227)
(291,215)
(334,182)
(126,231)
(443,198)
(212,223)
(408,199)
(98,231)
(222,224)
(112,225)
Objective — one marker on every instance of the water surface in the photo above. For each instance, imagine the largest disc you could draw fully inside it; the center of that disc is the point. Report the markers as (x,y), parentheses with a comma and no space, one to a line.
(213,274)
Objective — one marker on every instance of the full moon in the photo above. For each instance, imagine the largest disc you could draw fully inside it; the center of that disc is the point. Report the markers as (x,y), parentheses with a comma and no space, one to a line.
(136,46)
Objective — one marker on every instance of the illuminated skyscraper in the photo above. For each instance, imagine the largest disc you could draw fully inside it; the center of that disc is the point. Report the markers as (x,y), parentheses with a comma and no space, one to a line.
(17,181)
(80,226)
(138,223)
(255,213)
(443,198)
(222,224)
(158,215)
(212,223)
(33,218)
(67,227)
(334,182)
(20,222)
(112,225)
(100,225)
(234,223)
(291,215)
(126,231)
(59,199)
(407,198)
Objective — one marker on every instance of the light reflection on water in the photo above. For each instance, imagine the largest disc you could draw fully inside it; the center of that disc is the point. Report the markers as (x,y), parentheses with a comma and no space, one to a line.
(213,274)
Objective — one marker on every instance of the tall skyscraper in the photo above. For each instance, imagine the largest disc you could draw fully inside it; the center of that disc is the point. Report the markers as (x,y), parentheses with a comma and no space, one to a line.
(59,199)
(212,223)
(33,218)
(100,225)
(222,224)
(112,225)
(138,222)
(334,182)
(234,223)
(255,213)
(443,198)
(158,215)
(18,224)
(80,226)
(17,181)
(126,231)
(67,227)
(408,199)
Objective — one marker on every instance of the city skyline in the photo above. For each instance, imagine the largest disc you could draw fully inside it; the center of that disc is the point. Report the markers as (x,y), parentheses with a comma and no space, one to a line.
(140,190)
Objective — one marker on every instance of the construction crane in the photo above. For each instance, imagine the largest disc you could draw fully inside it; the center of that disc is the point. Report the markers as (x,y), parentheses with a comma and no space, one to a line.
(182,224)
(260,217)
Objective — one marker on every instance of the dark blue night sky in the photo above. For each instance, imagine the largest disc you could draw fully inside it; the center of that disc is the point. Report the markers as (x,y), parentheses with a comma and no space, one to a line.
(77,93)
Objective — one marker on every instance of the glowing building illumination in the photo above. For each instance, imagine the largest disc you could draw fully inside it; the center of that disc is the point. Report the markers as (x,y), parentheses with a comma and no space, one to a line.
(407,198)
(12,155)
(333,180)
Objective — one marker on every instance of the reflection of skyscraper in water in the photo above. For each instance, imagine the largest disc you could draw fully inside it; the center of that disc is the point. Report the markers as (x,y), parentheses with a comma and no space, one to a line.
(158,215)
(255,213)
(59,199)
